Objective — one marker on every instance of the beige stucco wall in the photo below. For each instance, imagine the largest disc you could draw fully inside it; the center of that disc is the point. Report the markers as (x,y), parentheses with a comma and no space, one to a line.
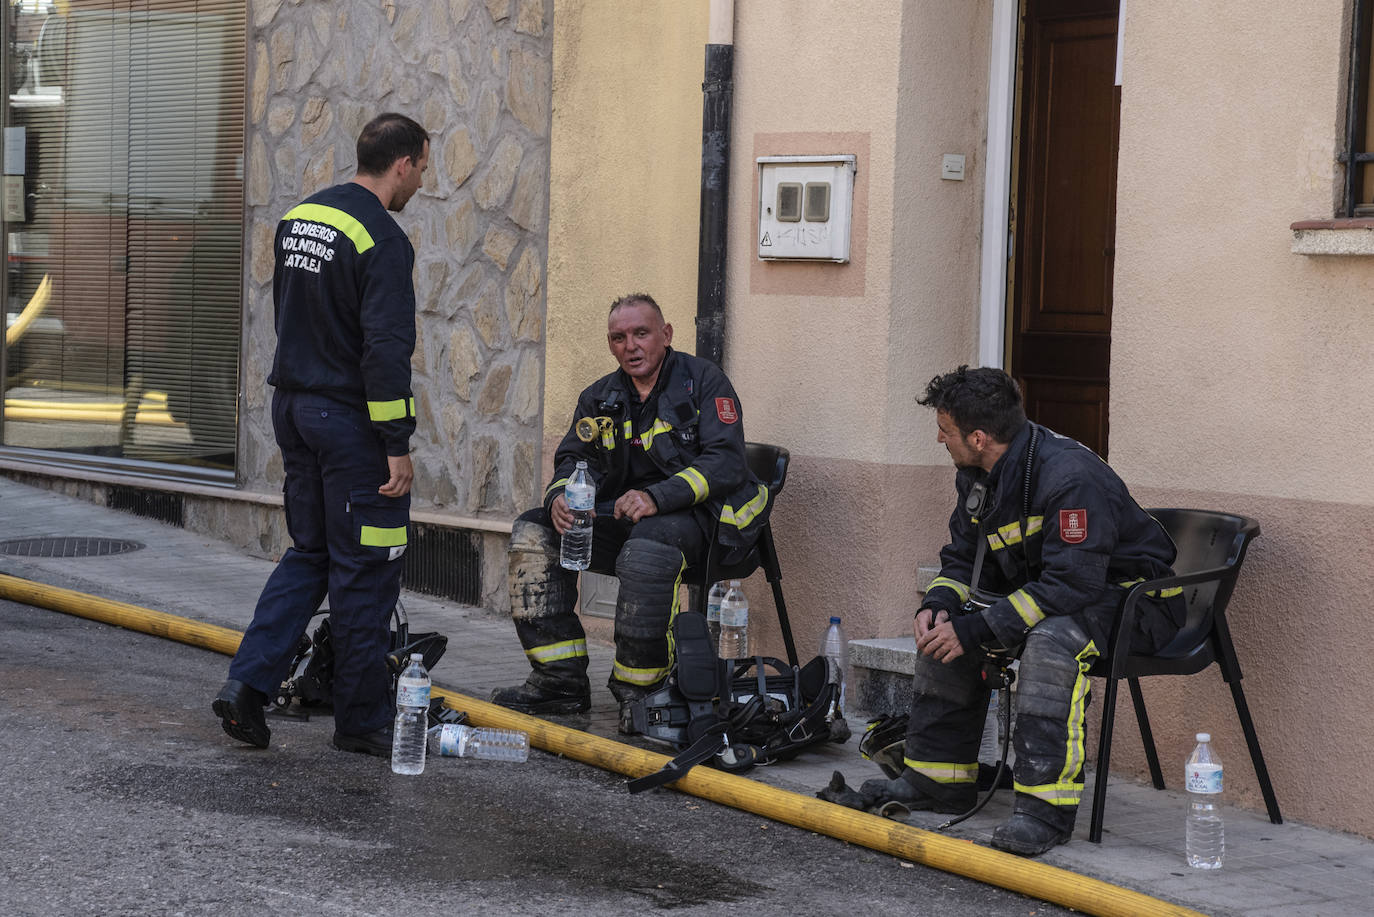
(625,182)
(1238,375)
(828,364)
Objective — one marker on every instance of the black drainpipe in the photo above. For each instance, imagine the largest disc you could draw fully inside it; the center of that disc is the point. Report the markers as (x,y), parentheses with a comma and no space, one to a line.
(715,177)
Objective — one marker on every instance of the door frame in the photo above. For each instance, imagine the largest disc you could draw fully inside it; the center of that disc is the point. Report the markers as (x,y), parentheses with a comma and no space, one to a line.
(997,190)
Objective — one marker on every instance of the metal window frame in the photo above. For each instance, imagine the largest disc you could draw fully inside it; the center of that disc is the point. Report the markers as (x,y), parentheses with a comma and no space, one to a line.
(1357,97)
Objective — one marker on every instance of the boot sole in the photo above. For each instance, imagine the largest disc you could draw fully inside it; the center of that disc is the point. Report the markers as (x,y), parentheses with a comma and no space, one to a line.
(555,707)
(238,726)
(1026,850)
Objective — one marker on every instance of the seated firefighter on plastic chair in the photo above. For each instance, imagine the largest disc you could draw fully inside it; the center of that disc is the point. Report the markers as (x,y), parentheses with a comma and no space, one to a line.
(1049,539)
(663,439)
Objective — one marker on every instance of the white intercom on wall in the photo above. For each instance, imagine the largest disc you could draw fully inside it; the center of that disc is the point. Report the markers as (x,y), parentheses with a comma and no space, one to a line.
(805,204)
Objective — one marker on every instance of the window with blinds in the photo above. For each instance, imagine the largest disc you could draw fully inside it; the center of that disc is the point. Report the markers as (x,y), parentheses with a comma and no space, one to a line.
(123,161)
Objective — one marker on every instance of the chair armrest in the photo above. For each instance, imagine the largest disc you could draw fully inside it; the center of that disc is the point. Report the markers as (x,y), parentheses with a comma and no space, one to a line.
(1125,621)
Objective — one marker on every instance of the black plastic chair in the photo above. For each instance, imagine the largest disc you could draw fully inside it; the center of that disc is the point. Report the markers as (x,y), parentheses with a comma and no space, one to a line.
(1211,549)
(769,465)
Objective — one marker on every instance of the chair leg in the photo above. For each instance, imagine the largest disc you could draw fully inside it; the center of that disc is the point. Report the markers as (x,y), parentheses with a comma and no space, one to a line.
(768,553)
(1247,725)
(1147,736)
(1104,760)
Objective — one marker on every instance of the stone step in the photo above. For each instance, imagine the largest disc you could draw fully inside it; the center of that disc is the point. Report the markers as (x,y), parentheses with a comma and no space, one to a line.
(881,670)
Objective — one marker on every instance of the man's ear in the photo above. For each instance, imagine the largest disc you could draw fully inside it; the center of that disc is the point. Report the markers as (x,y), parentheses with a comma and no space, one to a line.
(667,333)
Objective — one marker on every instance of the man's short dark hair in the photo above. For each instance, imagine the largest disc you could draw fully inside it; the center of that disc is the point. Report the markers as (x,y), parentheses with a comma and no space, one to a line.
(984,399)
(630,299)
(387,138)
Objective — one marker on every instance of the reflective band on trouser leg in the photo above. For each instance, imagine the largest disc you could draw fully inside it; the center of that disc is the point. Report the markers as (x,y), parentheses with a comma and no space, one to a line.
(1051,708)
(376,537)
(542,597)
(944,771)
(397,409)
(650,574)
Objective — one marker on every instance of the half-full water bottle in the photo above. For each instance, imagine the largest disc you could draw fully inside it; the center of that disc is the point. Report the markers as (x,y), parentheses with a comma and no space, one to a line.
(734,623)
(835,649)
(1205,840)
(713,600)
(580,494)
(458,740)
(412,718)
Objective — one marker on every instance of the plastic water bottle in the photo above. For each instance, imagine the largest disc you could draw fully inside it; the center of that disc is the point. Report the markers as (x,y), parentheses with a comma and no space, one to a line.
(713,600)
(734,623)
(835,649)
(412,718)
(580,494)
(458,740)
(1205,839)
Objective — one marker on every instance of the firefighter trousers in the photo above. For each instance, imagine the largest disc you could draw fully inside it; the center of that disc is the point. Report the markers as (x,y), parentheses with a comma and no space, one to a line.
(950,703)
(649,557)
(346,542)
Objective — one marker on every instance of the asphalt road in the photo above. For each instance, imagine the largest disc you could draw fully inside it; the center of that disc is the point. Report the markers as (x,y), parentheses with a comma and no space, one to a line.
(119,794)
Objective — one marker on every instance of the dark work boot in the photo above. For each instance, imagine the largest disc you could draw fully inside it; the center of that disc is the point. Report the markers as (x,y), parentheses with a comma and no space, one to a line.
(1025,835)
(884,796)
(376,743)
(528,698)
(239,707)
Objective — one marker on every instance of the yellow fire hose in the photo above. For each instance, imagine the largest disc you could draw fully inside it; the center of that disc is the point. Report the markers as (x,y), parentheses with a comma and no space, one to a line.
(1048,883)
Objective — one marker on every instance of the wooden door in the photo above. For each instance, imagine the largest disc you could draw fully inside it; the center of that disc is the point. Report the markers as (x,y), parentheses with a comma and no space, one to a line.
(1064,216)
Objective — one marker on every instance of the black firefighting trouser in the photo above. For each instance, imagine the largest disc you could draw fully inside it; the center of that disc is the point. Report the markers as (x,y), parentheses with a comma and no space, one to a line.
(950,702)
(649,557)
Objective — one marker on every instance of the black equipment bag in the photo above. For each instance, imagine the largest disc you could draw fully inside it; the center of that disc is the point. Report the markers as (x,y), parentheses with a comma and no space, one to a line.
(310,679)
(736,713)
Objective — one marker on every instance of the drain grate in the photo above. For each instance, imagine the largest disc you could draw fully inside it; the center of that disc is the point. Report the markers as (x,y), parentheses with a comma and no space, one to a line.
(68,546)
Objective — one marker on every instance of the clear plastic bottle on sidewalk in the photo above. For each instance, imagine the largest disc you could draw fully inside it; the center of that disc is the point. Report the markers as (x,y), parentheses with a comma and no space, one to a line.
(412,718)
(458,740)
(835,649)
(713,600)
(734,623)
(1205,839)
(580,495)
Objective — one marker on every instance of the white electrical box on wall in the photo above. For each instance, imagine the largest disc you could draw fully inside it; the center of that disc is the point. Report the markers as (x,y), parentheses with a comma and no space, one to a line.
(805,204)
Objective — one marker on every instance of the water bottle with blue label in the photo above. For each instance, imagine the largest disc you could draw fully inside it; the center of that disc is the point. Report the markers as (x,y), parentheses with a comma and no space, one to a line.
(1204,839)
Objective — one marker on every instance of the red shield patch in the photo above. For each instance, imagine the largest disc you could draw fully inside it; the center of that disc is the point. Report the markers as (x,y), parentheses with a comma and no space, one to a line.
(1073,525)
(725,410)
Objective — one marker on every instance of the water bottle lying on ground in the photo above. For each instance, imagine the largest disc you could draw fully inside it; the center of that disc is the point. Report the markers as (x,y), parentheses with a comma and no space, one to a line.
(457,740)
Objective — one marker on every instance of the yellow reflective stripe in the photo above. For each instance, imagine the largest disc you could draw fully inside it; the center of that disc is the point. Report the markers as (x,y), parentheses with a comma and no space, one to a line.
(552,652)
(1034,524)
(399,409)
(1026,607)
(959,588)
(1075,751)
(376,537)
(746,513)
(1154,593)
(995,541)
(333,216)
(1056,794)
(944,771)
(608,436)
(629,430)
(554,486)
(697,481)
(634,676)
(1011,532)
(660,426)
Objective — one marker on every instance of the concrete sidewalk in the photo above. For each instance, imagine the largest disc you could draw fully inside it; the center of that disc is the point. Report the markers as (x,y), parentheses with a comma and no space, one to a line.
(1270,870)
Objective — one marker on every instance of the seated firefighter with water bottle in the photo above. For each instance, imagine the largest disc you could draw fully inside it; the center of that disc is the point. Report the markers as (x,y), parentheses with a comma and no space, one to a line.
(1044,541)
(662,439)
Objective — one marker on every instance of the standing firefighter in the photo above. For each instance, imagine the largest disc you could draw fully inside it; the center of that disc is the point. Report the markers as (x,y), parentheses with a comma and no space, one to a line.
(1046,533)
(667,459)
(343,414)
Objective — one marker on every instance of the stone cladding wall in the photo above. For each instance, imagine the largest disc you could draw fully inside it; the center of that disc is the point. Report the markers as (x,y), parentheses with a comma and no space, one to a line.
(477,74)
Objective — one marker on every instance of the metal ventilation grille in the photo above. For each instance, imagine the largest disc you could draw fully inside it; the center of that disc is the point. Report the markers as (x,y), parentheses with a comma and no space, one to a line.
(68,546)
(164,507)
(444,562)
